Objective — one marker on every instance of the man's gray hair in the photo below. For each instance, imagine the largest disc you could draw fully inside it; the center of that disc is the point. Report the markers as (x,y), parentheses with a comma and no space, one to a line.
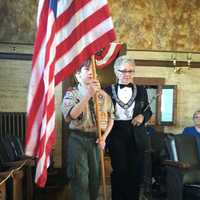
(125,59)
(195,113)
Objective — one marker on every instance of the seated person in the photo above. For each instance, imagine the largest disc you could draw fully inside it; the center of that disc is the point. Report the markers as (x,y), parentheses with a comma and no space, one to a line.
(194,130)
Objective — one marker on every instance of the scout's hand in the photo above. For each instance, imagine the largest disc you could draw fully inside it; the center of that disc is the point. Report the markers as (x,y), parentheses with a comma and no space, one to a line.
(101,142)
(93,87)
(138,120)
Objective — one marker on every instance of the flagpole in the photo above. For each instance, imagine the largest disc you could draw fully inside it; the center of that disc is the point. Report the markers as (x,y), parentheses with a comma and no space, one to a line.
(99,131)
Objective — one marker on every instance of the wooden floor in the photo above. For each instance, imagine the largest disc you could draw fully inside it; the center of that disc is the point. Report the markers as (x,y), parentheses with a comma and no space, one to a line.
(63,193)
(108,193)
(58,189)
(52,193)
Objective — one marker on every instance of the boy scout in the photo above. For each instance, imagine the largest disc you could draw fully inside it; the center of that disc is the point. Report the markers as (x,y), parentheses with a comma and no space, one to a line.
(83,147)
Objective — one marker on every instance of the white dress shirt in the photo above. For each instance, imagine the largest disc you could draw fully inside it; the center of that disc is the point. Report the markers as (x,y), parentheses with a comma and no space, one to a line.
(124,94)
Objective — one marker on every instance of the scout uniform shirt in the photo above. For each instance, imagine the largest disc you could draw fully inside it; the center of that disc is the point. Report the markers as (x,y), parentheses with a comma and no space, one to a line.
(86,122)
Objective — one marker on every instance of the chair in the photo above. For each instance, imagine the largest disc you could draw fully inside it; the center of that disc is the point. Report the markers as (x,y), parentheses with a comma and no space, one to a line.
(12,157)
(182,167)
(11,182)
(158,154)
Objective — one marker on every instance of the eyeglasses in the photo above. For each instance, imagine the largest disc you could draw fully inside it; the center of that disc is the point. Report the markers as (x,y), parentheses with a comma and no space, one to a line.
(126,71)
(196,117)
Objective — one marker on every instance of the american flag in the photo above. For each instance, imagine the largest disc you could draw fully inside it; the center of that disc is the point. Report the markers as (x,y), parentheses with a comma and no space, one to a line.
(107,54)
(68,33)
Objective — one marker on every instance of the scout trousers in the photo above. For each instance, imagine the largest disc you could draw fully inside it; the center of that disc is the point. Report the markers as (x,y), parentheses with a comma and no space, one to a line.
(83,167)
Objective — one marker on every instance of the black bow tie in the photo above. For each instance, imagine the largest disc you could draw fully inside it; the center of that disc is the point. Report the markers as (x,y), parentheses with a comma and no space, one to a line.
(127,85)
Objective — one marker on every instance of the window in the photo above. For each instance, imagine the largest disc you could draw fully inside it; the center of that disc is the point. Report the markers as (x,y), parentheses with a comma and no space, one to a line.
(167,113)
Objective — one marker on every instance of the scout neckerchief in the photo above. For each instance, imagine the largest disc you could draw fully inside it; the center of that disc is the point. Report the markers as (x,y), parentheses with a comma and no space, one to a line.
(92,111)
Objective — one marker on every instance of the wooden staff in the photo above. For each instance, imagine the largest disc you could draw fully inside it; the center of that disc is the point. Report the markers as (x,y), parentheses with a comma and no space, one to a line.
(99,131)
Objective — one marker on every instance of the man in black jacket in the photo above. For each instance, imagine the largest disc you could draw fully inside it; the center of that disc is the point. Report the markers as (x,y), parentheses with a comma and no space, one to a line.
(128,142)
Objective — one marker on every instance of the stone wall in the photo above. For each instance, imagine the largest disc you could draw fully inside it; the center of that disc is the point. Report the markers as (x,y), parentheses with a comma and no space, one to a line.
(18,21)
(157,25)
(141,24)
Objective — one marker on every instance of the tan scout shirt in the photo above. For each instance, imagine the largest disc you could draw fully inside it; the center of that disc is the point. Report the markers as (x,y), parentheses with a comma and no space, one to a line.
(87,120)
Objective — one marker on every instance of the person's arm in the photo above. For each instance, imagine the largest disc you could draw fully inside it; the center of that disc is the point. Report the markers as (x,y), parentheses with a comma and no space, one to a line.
(146,112)
(102,141)
(78,109)
(138,120)
(108,128)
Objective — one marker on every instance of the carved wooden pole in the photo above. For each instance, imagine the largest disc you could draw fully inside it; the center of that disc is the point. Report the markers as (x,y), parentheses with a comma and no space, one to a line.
(99,131)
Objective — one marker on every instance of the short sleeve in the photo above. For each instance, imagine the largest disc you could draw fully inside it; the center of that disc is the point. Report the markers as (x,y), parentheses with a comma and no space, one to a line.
(69,101)
(110,106)
(112,110)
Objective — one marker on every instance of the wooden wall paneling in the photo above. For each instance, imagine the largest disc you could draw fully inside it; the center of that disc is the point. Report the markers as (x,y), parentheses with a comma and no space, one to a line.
(2,190)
